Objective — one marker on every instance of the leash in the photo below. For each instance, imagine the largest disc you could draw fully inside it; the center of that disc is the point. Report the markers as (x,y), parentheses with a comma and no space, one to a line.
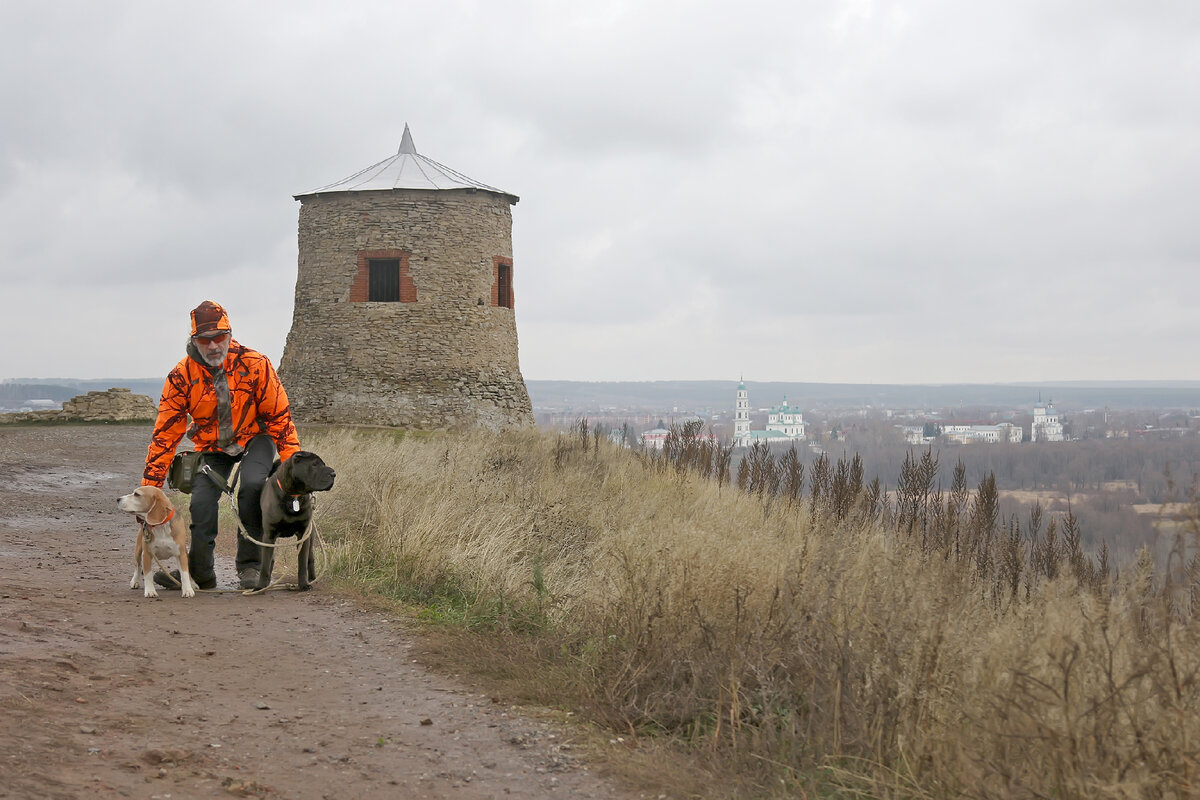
(165,570)
(226,487)
(148,538)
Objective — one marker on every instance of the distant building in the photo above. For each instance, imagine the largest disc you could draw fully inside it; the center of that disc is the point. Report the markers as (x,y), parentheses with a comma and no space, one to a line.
(741,414)
(985,434)
(1046,427)
(654,439)
(965,433)
(784,423)
(787,420)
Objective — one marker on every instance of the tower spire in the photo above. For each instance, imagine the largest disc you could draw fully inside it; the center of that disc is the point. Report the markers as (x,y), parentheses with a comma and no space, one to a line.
(406,143)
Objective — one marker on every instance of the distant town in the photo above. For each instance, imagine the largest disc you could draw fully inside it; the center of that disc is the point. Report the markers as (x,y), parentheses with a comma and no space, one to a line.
(1132,411)
(743,412)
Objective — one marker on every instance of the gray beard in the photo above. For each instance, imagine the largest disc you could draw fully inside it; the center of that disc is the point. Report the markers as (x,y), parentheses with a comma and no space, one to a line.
(194,352)
(221,386)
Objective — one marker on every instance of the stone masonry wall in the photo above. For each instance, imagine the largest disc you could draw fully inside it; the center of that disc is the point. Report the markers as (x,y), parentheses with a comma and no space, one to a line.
(113,405)
(447,360)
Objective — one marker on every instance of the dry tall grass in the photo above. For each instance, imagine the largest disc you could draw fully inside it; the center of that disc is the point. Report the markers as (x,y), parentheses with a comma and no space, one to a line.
(783,637)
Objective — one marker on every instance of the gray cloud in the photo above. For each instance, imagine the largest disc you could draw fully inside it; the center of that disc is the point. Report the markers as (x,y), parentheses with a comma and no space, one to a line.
(855,190)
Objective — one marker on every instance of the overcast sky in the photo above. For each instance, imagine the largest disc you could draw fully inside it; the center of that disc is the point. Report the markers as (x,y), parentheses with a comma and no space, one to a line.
(874,192)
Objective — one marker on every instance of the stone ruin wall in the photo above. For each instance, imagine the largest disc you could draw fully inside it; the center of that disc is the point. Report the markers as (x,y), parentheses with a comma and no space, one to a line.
(448,360)
(113,405)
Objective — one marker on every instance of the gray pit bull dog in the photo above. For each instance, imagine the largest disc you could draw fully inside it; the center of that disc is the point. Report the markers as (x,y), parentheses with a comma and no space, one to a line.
(287,510)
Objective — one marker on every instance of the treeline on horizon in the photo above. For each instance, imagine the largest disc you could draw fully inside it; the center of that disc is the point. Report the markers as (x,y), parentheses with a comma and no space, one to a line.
(14,394)
(1085,476)
(1154,467)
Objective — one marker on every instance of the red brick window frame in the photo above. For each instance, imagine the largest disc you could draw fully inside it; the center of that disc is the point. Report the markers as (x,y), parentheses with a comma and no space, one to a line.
(382,262)
(502,282)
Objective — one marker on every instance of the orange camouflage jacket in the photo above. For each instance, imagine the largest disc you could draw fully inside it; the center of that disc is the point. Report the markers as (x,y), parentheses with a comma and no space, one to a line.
(256,398)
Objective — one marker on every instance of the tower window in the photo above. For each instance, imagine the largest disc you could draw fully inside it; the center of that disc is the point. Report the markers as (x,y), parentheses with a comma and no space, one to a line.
(384,280)
(502,282)
(383,277)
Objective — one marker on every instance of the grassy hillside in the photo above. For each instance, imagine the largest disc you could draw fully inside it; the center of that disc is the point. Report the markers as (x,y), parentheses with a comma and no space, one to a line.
(785,630)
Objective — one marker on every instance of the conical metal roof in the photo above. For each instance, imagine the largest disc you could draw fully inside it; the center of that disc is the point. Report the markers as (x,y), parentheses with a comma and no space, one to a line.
(408,169)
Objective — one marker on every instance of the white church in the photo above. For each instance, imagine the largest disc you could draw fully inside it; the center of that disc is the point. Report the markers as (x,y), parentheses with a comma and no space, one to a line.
(784,423)
(1046,427)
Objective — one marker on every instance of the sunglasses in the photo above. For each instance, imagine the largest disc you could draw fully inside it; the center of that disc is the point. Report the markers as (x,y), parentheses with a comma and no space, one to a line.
(219,339)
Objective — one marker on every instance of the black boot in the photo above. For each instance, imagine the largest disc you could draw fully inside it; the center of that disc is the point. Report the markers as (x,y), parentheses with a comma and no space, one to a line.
(169,581)
(172,581)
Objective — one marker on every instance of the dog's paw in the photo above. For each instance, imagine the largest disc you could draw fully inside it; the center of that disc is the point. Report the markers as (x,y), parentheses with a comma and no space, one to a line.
(133,584)
(150,590)
(188,586)
(264,580)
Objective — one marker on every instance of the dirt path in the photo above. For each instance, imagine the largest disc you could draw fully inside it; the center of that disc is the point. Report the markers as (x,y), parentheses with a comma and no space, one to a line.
(104,693)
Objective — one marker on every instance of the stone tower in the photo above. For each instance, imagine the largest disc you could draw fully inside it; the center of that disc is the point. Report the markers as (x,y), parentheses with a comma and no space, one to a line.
(404,301)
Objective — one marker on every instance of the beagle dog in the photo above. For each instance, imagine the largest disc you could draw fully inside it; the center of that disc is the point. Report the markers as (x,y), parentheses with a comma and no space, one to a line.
(162,536)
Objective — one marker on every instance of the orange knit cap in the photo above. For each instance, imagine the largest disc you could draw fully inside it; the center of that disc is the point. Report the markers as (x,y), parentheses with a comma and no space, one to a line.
(209,318)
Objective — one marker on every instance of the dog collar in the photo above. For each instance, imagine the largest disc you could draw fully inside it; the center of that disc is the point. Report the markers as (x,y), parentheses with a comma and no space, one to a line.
(146,523)
(289,494)
(164,522)
(295,498)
